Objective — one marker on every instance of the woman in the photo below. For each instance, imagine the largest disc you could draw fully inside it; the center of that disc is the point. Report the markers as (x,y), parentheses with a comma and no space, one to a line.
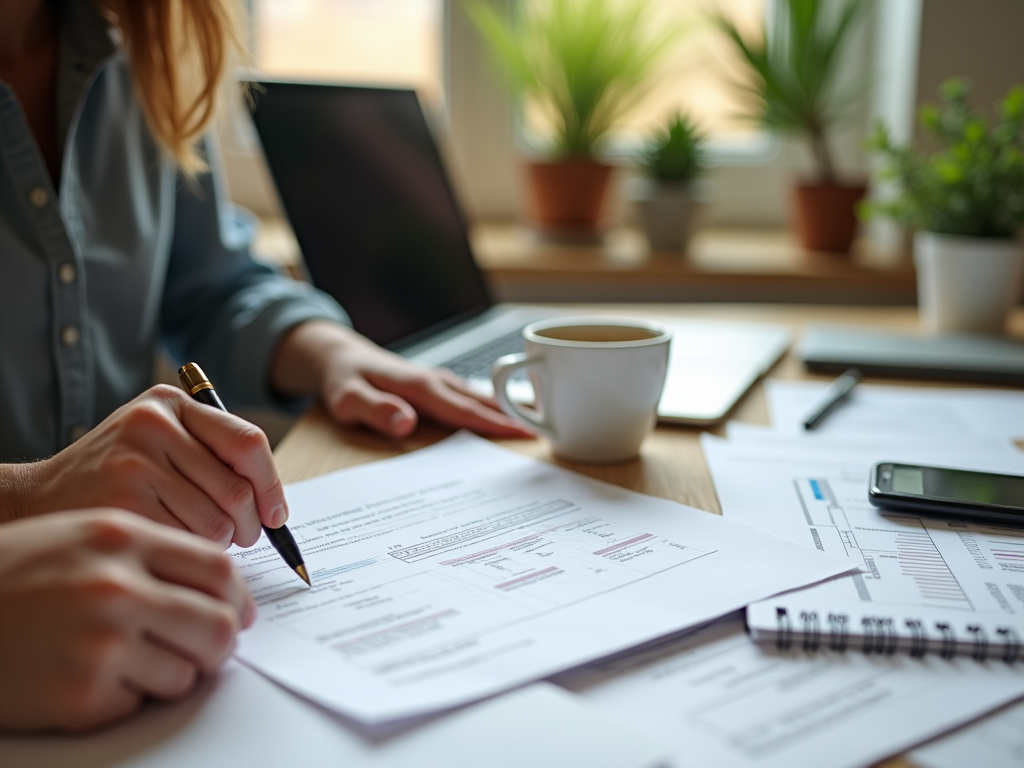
(114,238)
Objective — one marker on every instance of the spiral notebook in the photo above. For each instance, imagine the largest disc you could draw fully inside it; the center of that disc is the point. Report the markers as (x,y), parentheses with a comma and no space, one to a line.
(796,621)
(923,585)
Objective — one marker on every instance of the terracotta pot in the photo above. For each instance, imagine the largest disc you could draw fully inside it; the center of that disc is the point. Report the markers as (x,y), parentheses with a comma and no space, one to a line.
(568,195)
(826,217)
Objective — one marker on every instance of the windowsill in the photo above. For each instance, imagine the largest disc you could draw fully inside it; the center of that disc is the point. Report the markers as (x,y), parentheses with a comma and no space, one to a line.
(721,265)
(744,265)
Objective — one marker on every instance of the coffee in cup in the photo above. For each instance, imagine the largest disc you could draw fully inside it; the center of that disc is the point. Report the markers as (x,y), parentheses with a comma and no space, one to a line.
(597,382)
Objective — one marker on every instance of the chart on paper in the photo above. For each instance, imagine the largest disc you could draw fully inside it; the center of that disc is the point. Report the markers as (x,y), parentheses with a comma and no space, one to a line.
(818,497)
(461,570)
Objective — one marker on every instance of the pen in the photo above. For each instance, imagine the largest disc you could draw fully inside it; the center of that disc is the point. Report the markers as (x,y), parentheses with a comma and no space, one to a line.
(835,394)
(196,384)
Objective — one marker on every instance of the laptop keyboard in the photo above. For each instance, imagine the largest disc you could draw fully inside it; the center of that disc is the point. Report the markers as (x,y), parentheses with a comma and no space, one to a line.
(476,363)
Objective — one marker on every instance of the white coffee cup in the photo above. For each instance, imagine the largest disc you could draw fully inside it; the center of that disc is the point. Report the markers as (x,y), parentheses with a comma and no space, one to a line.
(597,382)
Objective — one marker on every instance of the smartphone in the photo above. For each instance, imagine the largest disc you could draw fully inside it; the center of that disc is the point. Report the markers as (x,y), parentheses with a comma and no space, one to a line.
(954,492)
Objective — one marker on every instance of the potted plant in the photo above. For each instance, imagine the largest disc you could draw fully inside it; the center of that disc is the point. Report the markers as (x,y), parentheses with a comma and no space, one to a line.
(966,201)
(792,68)
(667,198)
(584,64)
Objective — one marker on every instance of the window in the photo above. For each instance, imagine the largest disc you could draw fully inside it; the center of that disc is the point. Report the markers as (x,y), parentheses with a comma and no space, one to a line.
(375,42)
(430,45)
(694,80)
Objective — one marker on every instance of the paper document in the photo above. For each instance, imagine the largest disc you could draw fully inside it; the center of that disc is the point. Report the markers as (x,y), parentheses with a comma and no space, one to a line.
(730,703)
(883,411)
(463,569)
(996,742)
(239,718)
(816,495)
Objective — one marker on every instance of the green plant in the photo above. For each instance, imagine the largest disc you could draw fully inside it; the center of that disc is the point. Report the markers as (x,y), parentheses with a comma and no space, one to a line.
(974,184)
(585,62)
(793,65)
(675,153)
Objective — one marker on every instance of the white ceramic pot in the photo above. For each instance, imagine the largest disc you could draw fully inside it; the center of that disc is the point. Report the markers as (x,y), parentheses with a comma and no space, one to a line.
(966,284)
(667,212)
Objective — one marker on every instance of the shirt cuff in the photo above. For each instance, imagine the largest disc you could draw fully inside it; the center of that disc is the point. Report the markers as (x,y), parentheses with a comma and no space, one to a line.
(258,339)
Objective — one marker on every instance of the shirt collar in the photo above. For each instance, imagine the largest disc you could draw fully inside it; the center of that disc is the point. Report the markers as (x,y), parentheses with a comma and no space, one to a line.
(86,40)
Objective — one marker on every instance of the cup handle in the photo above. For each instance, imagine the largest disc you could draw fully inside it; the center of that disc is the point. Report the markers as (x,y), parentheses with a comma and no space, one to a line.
(503,368)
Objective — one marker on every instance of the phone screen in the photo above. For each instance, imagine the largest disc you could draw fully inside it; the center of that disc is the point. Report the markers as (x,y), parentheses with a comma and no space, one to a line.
(958,485)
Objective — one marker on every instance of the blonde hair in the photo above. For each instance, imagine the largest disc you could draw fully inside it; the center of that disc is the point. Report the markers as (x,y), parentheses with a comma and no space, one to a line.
(182,54)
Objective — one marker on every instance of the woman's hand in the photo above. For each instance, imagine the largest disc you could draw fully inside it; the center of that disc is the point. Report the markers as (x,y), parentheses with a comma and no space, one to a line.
(166,457)
(102,609)
(360,383)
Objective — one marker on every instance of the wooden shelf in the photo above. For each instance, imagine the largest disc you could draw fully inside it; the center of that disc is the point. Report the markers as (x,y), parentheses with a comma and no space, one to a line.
(721,265)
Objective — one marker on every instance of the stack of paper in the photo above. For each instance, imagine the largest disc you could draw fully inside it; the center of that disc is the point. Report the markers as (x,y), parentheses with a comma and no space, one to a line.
(463,570)
(448,582)
(441,578)
(941,588)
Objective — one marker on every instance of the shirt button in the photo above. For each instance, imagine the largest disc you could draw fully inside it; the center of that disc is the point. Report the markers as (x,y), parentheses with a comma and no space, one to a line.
(38,197)
(77,432)
(66,273)
(69,335)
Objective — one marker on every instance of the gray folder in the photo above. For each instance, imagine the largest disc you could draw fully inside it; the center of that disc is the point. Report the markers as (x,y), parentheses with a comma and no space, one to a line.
(962,357)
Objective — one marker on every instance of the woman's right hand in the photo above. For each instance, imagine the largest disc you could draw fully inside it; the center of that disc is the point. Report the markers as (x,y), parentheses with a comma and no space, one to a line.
(166,457)
(100,609)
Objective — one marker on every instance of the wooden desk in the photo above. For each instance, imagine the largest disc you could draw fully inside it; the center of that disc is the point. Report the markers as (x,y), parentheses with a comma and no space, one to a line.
(671,464)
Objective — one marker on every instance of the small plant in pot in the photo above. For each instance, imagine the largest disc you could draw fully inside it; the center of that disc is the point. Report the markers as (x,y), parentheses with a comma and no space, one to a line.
(966,202)
(793,65)
(583,64)
(667,199)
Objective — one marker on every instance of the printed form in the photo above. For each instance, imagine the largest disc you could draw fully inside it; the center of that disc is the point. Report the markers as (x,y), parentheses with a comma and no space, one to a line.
(731,703)
(815,493)
(462,570)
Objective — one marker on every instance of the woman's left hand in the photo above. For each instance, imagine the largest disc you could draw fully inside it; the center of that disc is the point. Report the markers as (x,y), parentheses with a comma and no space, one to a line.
(363,384)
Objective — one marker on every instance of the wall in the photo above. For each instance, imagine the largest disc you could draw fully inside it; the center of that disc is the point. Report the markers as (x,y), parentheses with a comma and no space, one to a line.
(980,39)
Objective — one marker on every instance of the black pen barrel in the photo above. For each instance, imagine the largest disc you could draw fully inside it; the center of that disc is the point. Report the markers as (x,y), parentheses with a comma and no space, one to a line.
(199,387)
(285,545)
(210,397)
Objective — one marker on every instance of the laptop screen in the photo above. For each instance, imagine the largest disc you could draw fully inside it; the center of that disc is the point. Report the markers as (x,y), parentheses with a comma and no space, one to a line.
(367,195)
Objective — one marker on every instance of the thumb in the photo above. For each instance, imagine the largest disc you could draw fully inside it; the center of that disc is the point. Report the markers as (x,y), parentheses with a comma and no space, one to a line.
(361,403)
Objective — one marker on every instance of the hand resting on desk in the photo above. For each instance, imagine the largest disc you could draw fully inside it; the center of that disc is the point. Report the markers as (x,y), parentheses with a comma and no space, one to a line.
(102,609)
(360,383)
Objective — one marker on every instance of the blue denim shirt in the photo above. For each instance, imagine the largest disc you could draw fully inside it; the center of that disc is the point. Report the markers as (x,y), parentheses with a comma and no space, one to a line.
(123,257)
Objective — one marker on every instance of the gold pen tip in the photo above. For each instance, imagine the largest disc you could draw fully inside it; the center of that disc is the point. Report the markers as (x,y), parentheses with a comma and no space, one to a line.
(303,573)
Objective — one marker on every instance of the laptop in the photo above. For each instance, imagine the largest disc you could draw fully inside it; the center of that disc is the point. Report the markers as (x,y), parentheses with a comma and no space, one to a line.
(364,186)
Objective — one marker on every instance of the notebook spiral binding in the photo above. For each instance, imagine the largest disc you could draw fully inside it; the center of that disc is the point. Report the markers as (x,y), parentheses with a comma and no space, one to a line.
(878,635)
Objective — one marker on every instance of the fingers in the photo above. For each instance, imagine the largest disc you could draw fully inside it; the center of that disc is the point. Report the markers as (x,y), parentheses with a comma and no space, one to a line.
(154,671)
(198,490)
(197,565)
(192,625)
(244,448)
(361,403)
(188,501)
(447,399)
(455,409)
